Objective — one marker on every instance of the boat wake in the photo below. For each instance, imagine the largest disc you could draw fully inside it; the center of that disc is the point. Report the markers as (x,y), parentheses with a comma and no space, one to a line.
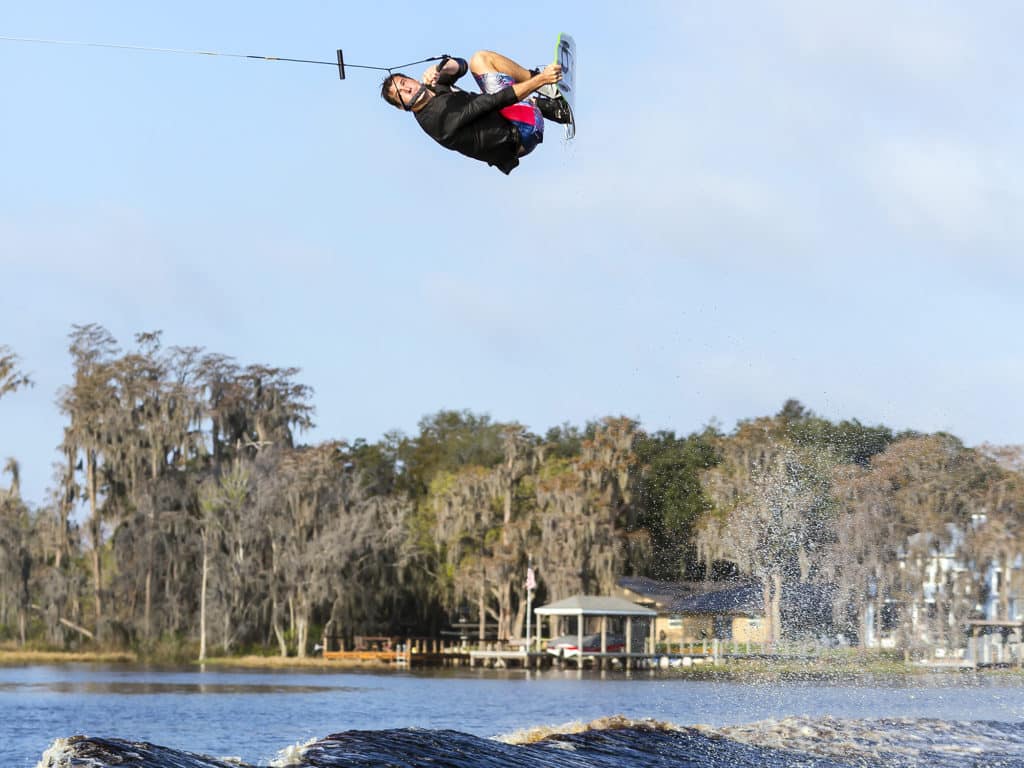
(613,743)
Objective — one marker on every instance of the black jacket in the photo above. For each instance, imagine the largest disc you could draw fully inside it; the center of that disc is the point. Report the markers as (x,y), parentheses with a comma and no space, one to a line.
(470,123)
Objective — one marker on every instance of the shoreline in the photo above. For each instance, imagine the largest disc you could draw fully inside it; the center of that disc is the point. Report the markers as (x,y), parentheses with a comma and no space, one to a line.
(28,658)
(834,670)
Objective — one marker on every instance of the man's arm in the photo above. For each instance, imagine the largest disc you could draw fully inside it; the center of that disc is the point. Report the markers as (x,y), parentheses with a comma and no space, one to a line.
(452,70)
(552,73)
(455,68)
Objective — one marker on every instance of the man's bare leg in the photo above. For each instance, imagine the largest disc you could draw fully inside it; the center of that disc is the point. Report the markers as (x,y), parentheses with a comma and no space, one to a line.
(489,61)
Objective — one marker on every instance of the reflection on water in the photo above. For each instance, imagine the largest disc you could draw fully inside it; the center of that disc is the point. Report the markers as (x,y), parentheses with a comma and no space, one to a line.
(129,688)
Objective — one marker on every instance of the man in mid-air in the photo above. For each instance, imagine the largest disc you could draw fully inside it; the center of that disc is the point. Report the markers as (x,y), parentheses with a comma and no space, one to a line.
(498,126)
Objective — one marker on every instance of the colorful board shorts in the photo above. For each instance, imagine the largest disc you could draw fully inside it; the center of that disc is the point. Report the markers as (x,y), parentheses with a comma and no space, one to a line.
(524,115)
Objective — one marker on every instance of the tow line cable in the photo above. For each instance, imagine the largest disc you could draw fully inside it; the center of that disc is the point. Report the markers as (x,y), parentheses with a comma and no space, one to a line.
(339,62)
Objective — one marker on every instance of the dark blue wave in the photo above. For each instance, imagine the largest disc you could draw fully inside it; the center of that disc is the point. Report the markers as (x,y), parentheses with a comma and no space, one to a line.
(795,743)
(632,747)
(97,752)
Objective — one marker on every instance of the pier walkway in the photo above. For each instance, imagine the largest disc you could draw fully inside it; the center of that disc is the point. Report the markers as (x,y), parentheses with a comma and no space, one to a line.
(538,660)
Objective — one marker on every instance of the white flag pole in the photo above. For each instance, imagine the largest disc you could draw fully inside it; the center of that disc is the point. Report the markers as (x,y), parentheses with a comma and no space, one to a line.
(529,600)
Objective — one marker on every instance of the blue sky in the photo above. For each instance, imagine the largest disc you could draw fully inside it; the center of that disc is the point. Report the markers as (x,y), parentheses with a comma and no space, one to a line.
(764,200)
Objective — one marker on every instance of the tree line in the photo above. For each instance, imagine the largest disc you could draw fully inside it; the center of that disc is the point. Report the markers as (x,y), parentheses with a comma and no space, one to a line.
(184,517)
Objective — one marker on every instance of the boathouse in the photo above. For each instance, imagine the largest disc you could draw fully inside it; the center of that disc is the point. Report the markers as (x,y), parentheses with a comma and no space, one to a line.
(604,615)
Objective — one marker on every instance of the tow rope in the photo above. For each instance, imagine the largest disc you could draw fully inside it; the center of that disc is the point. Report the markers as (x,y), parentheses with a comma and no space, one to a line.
(339,62)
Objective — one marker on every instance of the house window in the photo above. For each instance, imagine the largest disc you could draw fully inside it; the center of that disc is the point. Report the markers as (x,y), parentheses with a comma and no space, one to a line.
(675,621)
(754,623)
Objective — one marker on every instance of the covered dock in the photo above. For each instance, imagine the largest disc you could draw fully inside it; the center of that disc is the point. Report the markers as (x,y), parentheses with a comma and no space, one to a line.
(602,608)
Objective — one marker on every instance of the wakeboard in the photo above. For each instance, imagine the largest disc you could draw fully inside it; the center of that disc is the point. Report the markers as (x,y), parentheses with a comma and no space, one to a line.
(565,54)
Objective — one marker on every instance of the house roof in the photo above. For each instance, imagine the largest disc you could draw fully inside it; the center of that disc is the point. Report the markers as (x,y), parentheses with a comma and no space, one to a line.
(748,600)
(594,605)
(743,600)
(660,592)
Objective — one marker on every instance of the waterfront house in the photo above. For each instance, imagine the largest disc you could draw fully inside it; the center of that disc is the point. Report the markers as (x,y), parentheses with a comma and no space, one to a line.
(669,626)
(952,594)
(736,613)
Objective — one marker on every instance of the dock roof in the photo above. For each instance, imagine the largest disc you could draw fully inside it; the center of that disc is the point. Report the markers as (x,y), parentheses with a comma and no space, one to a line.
(594,605)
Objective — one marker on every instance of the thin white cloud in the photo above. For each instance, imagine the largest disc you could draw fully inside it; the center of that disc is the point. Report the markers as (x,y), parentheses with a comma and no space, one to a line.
(501,319)
(944,190)
(927,41)
(101,242)
(974,400)
(659,190)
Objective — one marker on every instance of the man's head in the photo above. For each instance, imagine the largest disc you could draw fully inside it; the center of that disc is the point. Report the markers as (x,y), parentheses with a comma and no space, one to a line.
(401,91)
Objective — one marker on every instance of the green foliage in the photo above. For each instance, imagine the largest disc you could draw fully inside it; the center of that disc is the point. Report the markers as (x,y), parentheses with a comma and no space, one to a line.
(377,463)
(11,378)
(557,467)
(441,483)
(566,440)
(447,441)
(526,490)
(170,648)
(849,440)
(491,537)
(671,495)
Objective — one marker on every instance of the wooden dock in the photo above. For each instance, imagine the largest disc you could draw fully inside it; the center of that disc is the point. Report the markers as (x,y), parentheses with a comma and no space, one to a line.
(399,653)
(395,651)
(510,658)
(384,657)
(398,658)
(501,659)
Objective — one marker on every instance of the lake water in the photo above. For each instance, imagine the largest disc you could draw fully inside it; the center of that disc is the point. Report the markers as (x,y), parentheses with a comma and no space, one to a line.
(254,715)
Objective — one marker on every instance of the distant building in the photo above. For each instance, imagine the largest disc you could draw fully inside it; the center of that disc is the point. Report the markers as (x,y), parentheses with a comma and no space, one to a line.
(669,626)
(998,582)
(986,592)
(736,613)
